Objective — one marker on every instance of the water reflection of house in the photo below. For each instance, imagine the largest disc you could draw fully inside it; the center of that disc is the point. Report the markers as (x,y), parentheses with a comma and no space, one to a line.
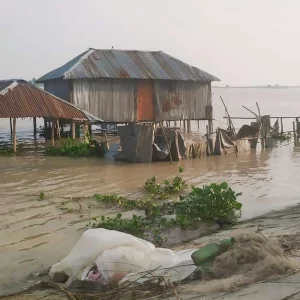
(132,86)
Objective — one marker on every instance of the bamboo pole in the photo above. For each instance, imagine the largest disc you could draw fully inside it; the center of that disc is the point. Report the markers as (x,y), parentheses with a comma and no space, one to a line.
(14,135)
(250,111)
(258,110)
(73,126)
(229,118)
(53,132)
(34,128)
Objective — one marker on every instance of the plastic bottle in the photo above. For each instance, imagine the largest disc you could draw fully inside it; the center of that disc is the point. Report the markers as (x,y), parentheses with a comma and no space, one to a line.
(209,252)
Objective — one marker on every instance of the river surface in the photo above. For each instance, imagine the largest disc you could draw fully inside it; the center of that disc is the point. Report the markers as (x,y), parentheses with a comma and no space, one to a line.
(34,234)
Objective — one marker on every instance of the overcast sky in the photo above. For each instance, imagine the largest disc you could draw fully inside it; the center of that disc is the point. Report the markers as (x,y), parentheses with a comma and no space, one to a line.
(243,42)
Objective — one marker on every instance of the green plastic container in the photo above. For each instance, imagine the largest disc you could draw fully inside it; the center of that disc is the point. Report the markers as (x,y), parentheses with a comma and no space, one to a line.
(209,252)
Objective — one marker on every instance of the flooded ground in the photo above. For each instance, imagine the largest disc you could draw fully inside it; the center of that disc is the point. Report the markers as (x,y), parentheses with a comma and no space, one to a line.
(36,233)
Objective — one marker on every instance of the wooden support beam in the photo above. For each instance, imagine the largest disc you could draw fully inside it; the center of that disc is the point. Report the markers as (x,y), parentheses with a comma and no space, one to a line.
(73,128)
(198,125)
(14,135)
(11,129)
(34,128)
(53,132)
(281,125)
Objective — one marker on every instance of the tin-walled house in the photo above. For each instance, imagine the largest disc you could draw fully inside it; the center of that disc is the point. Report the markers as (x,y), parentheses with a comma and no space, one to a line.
(133,86)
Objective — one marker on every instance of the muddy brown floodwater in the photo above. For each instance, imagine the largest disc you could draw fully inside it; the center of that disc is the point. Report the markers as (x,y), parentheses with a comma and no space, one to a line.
(36,233)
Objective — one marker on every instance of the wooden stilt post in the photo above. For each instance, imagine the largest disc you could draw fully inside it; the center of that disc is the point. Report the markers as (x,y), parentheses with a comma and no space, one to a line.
(85,131)
(90,129)
(11,129)
(198,125)
(34,128)
(45,128)
(295,134)
(73,128)
(14,135)
(180,123)
(184,125)
(210,126)
(281,125)
(57,129)
(53,132)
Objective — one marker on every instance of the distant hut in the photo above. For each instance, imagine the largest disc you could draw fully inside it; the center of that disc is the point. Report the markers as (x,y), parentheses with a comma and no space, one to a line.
(133,86)
(22,99)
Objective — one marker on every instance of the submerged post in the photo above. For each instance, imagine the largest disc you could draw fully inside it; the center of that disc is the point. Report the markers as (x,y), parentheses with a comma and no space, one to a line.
(53,132)
(73,128)
(281,125)
(188,122)
(295,134)
(14,135)
(34,128)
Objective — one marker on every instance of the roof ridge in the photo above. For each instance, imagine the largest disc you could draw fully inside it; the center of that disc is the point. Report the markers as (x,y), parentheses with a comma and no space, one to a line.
(130,50)
(191,66)
(84,56)
(11,86)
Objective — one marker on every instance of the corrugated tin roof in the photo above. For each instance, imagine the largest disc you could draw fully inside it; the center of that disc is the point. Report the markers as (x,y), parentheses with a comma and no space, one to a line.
(128,64)
(21,99)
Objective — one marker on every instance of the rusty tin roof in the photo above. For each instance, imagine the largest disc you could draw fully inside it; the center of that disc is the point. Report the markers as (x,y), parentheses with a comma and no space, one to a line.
(130,64)
(21,99)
